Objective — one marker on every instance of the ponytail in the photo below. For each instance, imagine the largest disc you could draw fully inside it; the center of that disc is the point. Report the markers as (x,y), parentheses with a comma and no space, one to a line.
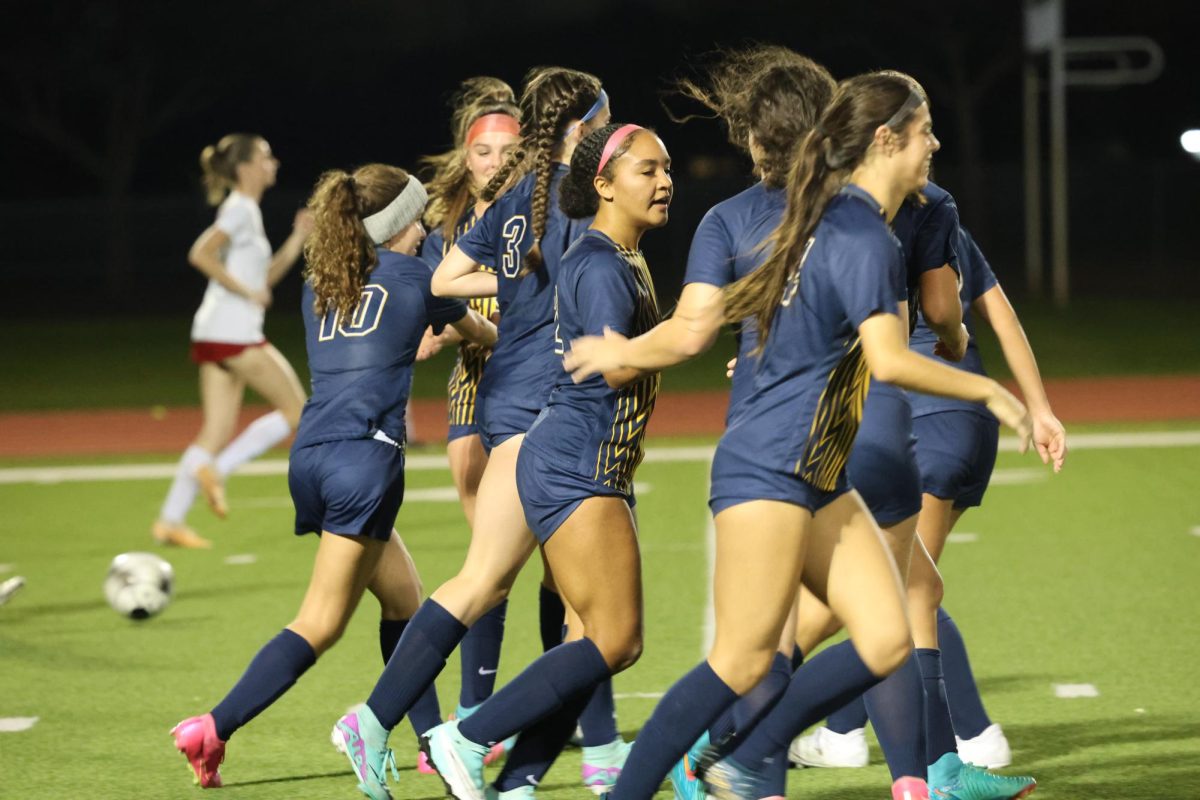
(218,164)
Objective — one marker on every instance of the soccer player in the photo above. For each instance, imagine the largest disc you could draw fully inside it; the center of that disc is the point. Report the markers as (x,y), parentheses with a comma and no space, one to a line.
(524,235)
(825,304)
(227,335)
(366,303)
(486,129)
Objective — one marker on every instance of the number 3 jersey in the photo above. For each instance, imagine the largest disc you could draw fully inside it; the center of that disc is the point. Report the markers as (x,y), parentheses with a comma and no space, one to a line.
(523,366)
(590,429)
(362,366)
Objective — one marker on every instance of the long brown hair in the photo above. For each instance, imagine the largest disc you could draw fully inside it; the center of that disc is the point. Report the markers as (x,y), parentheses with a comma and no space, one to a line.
(766,90)
(338,252)
(829,154)
(449,185)
(218,163)
(552,96)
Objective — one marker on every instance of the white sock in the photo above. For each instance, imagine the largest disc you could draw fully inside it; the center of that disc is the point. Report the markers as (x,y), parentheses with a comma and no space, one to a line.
(182,493)
(259,437)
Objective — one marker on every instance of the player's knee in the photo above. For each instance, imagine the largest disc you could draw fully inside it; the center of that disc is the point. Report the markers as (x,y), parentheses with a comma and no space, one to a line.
(321,635)
(886,651)
(741,671)
(620,645)
(925,592)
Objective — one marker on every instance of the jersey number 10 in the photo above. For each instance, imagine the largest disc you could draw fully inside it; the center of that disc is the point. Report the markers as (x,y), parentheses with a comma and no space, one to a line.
(365,319)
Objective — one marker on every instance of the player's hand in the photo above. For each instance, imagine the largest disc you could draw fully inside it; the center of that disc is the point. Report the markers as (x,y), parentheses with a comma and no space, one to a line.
(430,345)
(302,224)
(1050,439)
(595,355)
(730,366)
(1011,412)
(261,297)
(953,350)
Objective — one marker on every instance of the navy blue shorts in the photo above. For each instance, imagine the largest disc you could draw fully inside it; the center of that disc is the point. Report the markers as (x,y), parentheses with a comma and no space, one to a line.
(883,461)
(549,494)
(352,487)
(461,431)
(500,418)
(956,452)
(736,480)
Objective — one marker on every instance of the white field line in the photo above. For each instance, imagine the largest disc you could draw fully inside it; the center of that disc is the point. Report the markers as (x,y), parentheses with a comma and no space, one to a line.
(962,538)
(1069,691)
(17,724)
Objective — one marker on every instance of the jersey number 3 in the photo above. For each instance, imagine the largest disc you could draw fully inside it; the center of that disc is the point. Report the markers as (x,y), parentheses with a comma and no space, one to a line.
(513,233)
(364,320)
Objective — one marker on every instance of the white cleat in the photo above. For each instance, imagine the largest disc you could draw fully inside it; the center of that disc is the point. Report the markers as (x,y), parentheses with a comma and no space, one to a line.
(989,749)
(10,587)
(825,748)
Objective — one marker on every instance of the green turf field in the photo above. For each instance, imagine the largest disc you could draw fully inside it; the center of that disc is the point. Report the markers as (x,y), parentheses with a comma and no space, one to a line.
(142,361)
(1087,577)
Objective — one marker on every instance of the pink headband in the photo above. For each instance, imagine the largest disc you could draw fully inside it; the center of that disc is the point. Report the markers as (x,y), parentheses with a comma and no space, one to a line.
(505,123)
(614,142)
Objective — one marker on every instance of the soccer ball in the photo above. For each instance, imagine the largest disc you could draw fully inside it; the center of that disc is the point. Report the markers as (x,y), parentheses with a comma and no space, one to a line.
(139,585)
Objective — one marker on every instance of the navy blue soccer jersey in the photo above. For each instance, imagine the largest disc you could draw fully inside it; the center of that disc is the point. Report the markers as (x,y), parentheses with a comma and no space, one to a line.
(811,381)
(362,367)
(928,236)
(590,429)
(523,361)
(977,279)
(729,243)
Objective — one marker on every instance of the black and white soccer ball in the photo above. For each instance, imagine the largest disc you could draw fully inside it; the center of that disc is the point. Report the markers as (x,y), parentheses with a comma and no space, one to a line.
(139,585)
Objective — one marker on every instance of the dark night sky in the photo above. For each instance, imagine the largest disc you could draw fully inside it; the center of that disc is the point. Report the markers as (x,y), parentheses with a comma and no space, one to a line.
(334,84)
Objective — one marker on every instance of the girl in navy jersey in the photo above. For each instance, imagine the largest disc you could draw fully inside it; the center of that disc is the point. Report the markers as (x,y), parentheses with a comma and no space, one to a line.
(486,131)
(366,303)
(576,467)
(227,336)
(524,235)
(827,300)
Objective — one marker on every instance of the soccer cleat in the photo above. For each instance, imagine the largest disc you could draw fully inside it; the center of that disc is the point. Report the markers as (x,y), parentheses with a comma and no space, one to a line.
(525,792)
(457,759)
(683,775)
(173,534)
(602,765)
(339,744)
(728,780)
(973,783)
(196,738)
(826,748)
(213,487)
(10,587)
(907,788)
(989,749)
(499,749)
(364,742)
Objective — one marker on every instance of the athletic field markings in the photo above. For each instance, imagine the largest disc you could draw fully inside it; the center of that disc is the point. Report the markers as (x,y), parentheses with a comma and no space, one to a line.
(962,538)
(1195,532)
(1072,690)
(638,695)
(241,559)
(1018,477)
(9,567)
(17,724)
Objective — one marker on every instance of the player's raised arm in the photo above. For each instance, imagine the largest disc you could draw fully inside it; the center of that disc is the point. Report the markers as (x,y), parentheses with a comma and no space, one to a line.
(458,275)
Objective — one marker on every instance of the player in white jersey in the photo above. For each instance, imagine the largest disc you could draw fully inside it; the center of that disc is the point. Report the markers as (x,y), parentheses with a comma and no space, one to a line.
(227,337)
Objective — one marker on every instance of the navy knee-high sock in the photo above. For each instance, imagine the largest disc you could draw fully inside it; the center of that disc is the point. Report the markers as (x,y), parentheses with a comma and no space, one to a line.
(750,707)
(537,748)
(551,616)
(825,682)
(272,671)
(480,655)
(797,657)
(430,637)
(938,728)
(849,717)
(425,713)
(599,717)
(896,706)
(966,706)
(541,689)
(685,711)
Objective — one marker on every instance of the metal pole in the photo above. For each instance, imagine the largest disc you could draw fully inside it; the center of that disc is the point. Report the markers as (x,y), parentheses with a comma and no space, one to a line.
(1035,267)
(1060,269)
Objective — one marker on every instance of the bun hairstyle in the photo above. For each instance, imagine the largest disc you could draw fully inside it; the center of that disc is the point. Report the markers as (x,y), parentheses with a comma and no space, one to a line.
(449,186)
(831,151)
(218,163)
(577,195)
(771,92)
(551,98)
(339,254)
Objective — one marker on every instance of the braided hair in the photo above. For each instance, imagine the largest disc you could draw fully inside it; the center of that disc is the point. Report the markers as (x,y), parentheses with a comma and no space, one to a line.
(577,195)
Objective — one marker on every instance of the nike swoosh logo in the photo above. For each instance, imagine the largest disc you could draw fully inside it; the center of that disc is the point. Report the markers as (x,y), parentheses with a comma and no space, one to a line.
(533,781)
(483,671)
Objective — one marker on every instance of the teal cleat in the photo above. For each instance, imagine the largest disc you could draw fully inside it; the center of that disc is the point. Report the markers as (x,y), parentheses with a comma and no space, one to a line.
(364,741)
(683,775)
(602,765)
(973,783)
(728,780)
(458,760)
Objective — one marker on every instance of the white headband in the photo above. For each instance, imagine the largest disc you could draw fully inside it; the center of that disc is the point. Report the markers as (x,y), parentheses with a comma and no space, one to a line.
(398,214)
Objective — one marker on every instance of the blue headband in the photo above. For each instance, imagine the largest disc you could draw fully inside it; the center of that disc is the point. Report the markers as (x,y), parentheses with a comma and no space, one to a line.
(601,102)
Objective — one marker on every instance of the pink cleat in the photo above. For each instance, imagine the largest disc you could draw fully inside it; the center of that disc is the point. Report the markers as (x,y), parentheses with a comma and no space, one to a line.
(423,764)
(907,788)
(499,750)
(196,738)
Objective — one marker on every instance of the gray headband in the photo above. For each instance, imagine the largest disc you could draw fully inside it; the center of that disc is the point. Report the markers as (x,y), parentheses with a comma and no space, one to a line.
(398,214)
(911,104)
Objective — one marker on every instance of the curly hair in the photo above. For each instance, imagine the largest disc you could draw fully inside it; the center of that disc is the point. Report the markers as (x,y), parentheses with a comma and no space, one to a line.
(449,184)
(831,151)
(771,92)
(551,98)
(218,163)
(577,193)
(339,254)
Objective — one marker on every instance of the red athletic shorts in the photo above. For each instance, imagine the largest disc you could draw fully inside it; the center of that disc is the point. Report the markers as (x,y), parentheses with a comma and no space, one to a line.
(216,352)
